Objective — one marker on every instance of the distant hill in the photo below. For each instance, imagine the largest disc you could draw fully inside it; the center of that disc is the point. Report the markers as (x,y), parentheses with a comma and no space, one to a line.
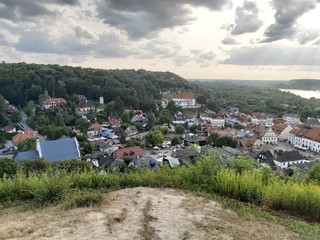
(304,84)
(21,82)
(265,83)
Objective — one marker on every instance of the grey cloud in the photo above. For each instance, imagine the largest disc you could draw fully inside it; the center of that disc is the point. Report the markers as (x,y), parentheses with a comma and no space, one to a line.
(159,49)
(35,41)
(274,55)
(83,33)
(24,10)
(307,36)
(247,19)
(287,13)
(107,45)
(204,59)
(229,41)
(143,18)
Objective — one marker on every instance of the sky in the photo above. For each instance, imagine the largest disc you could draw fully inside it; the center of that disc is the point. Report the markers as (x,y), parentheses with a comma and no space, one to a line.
(196,39)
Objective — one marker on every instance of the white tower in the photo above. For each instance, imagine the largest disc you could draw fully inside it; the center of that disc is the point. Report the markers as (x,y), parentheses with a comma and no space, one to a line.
(101,100)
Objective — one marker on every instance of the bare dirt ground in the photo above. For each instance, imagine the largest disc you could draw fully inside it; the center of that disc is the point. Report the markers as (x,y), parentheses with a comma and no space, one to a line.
(140,213)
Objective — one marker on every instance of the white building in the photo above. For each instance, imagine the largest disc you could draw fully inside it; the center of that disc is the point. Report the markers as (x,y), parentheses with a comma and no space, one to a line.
(267,135)
(292,119)
(184,99)
(305,139)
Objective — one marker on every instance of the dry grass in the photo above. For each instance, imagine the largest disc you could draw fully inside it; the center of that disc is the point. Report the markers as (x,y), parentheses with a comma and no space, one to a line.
(140,213)
(148,232)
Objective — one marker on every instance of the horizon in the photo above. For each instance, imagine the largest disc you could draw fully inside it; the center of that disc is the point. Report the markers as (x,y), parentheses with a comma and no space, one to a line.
(218,39)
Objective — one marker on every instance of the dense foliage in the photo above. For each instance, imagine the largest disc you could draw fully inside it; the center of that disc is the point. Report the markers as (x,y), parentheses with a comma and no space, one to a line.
(261,99)
(23,82)
(239,181)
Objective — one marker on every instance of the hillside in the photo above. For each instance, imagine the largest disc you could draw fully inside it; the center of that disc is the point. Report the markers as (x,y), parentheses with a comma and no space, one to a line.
(304,84)
(21,82)
(140,213)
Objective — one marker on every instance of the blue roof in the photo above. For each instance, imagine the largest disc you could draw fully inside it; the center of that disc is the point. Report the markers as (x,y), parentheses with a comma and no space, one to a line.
(30,155)
(61,149)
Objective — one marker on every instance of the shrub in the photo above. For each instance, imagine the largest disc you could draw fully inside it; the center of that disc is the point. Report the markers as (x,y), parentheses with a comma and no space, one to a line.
(83,199)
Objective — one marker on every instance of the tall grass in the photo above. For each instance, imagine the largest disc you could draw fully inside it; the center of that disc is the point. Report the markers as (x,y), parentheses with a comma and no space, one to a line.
(252,186)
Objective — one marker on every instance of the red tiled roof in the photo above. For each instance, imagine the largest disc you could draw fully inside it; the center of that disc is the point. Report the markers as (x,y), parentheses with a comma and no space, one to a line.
(55,101)
(28,133)
(183,95)
(95,127)
(129,151)
(279,127)
(311,134)
(247,143)
(8,128)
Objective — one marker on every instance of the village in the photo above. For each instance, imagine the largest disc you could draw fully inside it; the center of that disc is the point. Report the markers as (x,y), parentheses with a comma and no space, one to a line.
(284,144)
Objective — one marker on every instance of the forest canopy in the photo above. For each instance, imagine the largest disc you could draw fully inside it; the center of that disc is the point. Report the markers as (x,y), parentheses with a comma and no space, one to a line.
(21,82)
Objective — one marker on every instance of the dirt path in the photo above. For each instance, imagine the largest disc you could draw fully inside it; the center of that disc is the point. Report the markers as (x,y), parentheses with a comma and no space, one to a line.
(140,213)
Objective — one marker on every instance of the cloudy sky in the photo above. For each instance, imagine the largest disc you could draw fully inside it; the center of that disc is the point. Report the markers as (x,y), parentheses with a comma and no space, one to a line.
(196,39)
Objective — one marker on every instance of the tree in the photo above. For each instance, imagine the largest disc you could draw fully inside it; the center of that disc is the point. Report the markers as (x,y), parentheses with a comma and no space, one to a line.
(27,144)
(211,140)
(154,138)
(241,164)
(36,166)
(212,105)
(7,166)
(237,126)
(193,129)
(82,124)
(30,107)
(165,117)
(201,100)
(125,117)
(314,174)
(150,120)
(180,129)
(175,141)
(16,116)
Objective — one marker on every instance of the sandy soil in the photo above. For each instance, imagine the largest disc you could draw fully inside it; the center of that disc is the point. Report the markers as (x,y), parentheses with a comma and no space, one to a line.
(140,213)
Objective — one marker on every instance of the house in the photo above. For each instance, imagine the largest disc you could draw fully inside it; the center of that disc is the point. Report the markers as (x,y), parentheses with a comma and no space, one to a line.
(187,154)
(216,122)
(22,135)
(94,129)
(145,161)
(194,139)
(108,133)
(292,119)
(114,122)
(262,119)
(129,151)
(313,122)
(244,134)
(138,117)
(86,105)
(285,159)
(10,108)
(226,152)
(184,99)
(131,131)
(9,129)
(105,147)
(282,131)
(173,162)
(266,134)
(53,102)
(56,150)
(304,139)
(247,145)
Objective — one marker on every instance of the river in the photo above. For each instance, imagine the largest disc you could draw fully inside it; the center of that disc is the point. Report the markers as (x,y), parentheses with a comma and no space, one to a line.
(303,93)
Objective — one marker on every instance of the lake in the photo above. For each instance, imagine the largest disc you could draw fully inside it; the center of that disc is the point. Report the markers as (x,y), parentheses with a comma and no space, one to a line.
(303,93)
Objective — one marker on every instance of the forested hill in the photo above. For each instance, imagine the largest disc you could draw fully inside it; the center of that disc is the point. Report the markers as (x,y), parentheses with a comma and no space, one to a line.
(21,82)
(304,84)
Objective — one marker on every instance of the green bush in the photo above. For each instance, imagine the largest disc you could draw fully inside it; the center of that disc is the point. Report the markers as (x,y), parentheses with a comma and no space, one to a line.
(83,199)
